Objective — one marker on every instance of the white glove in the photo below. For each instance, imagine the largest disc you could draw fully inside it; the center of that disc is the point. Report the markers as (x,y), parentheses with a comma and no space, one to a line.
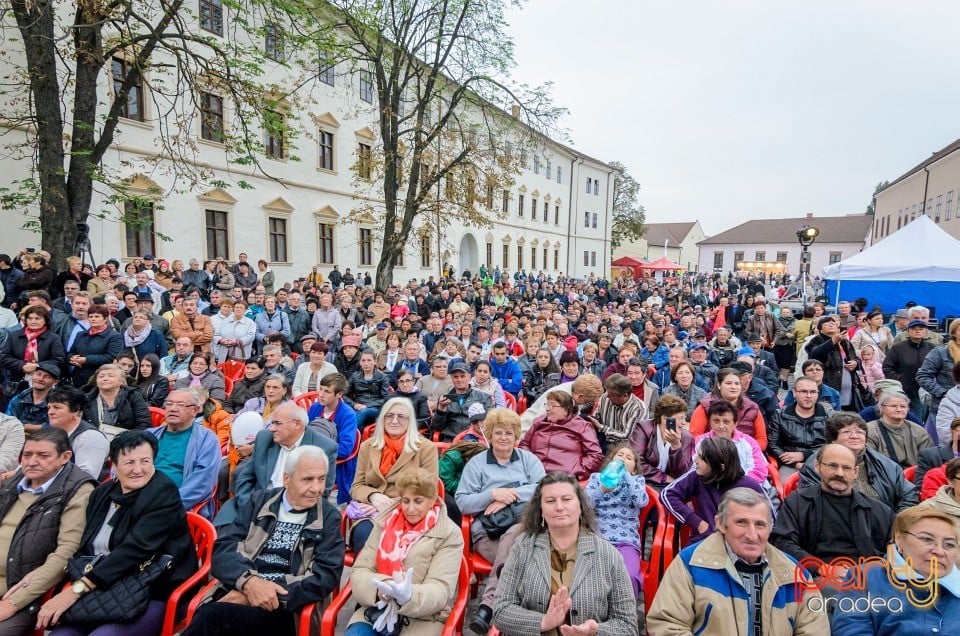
(388,618)
(399,588)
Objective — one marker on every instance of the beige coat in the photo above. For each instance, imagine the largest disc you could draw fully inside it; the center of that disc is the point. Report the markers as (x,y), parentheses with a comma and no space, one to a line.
(435,560)
(368,478)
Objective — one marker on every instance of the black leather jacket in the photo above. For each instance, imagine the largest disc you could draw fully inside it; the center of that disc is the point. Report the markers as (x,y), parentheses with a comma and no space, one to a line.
(883,473)
(787,434)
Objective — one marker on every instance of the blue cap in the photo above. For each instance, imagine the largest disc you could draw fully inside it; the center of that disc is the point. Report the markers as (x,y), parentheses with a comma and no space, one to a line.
(747,351)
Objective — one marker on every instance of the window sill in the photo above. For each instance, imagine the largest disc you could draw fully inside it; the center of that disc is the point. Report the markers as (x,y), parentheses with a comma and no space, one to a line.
(145,125)
(213,144)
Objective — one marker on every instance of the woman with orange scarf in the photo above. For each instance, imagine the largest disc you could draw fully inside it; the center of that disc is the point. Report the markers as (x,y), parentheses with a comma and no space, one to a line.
(395,448)
(411,560)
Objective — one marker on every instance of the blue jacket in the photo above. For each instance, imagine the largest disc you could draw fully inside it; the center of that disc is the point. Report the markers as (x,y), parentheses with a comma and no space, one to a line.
(201,465)
(659,358)
(280,323)
(345,419)
(942,617)
(508,375)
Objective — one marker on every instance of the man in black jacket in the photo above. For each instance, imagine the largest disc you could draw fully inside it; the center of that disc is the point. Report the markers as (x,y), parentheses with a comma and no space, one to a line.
(44,502)
(283,552)
(905,359)
(797,430)
(822,522)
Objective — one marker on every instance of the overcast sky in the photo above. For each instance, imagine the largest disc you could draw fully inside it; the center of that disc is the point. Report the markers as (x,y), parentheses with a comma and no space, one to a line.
(739,110)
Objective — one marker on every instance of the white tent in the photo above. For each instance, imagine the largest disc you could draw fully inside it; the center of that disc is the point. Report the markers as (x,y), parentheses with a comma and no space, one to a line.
(919,263)
(919,251)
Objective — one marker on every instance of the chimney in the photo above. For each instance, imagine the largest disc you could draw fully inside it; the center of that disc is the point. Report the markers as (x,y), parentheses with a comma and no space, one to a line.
(515,110)
(809,215)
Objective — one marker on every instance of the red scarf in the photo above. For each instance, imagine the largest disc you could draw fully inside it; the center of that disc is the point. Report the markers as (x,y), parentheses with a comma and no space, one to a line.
(31,353)
(399,536)
(392,448)
(94,332)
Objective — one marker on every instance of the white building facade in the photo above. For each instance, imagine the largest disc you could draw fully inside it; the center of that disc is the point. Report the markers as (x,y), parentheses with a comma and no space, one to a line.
(554,217)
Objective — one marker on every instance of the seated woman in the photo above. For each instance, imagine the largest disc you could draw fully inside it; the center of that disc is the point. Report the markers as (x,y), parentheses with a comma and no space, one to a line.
(114,403)
(204,373)
(947,498)
(927,539)
(413,534)
(130,520)
(310,373)
(153,385)
(536,377)
(491,481)
(394,447)
(407,387)
(484,382)
(249,386)
(683,385)
(24,348)
(141,338)
(618,508)
(562,440)
(664,449)
(717,471)
(93,348)
(728,389)
(275,392)
(722,424)
(558,547)
(367,391)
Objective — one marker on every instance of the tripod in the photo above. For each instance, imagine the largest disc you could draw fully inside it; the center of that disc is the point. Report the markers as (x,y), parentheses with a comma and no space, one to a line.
(82,248)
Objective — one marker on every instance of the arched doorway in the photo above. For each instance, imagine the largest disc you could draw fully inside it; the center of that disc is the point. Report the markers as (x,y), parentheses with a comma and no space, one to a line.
(469,255)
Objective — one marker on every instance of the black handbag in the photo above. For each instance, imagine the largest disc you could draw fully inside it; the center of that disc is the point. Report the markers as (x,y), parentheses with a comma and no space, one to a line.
(124,601)
(372,613)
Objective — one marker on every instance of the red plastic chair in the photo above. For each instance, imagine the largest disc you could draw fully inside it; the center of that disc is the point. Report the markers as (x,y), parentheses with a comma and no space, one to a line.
(368,432)
(203,534)
(157,416)
(521,404)
(479,567)
(791,484)
(234,369)
(306,400)
(213,497)
(228,385)
(511,401)
(651,516)
(452,626)
(910,473)
(353,453)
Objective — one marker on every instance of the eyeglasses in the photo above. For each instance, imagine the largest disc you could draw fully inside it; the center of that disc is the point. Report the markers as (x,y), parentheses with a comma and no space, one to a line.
(503,434)
(404,380)
(852,432)
(835,467)
(399,417)
(930,542)
(177,405)
(276,423)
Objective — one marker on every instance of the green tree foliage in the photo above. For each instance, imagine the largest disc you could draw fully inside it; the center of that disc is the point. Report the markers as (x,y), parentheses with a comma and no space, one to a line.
(628,215)
(873,200)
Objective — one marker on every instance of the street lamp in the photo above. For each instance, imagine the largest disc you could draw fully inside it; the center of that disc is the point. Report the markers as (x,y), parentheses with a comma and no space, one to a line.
(806,235)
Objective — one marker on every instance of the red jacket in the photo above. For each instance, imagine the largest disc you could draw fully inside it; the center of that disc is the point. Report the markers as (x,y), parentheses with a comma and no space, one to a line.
(570,446)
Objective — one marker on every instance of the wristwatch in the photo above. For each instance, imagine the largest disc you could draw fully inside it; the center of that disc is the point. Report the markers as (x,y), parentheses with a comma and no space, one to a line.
(79,587)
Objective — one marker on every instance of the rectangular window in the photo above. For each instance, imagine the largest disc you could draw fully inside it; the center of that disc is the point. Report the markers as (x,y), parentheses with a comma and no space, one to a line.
(835,257)
(593,259)
(545,258)
(900,220)
(586,258)
(326,243)
(519,257)
(929,209)
(490,190)
(718,261)
(533,258)
(211,117)
(549,170)
(366,86)
(559,174)
(275,125)
(546,211)
(556,259)
(218,244)
(536,164)
(913,212)
(589,186)
(450,189)
(211,16)
(939,207)
(556,215)
(400,259)
(596,186)
(138,225)
(760,256)
(425,252)
(132,107)
(781,257)
(326,74)
(586,219)
(366,246)
(506,255)
(948,212)
(533,209)
(519,207)
(489,253)
(326,150)
(593,220)
(504,205)
(273,42)
(278,240)
(737,257)
(364,161)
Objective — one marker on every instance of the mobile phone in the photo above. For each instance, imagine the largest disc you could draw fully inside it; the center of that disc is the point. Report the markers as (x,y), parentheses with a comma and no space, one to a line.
(672,424)
(31,250)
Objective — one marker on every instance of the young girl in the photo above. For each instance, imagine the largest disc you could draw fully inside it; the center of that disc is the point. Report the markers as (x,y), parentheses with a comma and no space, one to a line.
(871,368)
(618,510)
(484,381)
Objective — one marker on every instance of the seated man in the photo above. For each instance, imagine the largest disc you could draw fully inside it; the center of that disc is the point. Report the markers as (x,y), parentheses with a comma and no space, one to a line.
(828,395)
(177,364)
(187,451)
(275,365)
(282,551)
(44,513)
(30,405)
(90,447)
(832,519)
(893,435)
(287,431)
(506,370)
(796,432)
(451,417)
(618,411)
(689,599)
(331,411)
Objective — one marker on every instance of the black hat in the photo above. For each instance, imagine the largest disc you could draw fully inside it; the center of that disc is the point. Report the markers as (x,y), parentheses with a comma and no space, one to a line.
(460,366)
(144,297)
(50,367)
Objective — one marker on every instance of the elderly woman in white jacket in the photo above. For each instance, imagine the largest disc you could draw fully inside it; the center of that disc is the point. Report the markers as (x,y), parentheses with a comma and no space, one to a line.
(949,407)
(234,335)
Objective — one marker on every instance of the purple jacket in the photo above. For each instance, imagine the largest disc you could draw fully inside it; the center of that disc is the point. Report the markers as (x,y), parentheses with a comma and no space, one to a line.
(644,443)
(690,486)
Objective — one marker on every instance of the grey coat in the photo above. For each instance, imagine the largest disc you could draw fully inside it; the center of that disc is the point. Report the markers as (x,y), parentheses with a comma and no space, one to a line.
(601,588)
(936,376)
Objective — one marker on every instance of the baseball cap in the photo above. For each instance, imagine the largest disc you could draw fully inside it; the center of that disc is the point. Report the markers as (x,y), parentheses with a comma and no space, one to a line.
(887,386)
(50,367)
(697,345)
(699,333)
(740,367)
(917,323)
(754,337)
(382,325)
(746,351)
(309,336)
(148,257)
(459,367)
(449,327)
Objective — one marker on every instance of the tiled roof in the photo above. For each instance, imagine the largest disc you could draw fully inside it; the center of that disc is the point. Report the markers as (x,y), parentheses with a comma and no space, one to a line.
(675,233)
(936,156)
(833,229)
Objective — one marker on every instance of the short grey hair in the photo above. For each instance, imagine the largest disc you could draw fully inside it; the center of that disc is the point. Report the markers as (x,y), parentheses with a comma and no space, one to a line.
(272,348)
(917,309)
(195,398)
(744,497)
(301,452)
(886,396)
(295,412)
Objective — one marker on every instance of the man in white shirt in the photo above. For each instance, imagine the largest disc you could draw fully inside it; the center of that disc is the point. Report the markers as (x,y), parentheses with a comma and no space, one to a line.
(90,447)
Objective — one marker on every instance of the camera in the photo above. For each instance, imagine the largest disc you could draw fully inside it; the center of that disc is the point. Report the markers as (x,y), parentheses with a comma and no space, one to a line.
(672,424)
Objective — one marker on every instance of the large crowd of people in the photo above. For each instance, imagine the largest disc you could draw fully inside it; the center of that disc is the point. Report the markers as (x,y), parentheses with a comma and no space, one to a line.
(546,412)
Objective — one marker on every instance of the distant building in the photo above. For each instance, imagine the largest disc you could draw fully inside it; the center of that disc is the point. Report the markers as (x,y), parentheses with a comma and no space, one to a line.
(926,189)
(676,241)
(771,245)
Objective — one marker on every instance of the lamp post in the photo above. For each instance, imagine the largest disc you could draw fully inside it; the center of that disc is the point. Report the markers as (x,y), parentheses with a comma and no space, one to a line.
(806,235)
